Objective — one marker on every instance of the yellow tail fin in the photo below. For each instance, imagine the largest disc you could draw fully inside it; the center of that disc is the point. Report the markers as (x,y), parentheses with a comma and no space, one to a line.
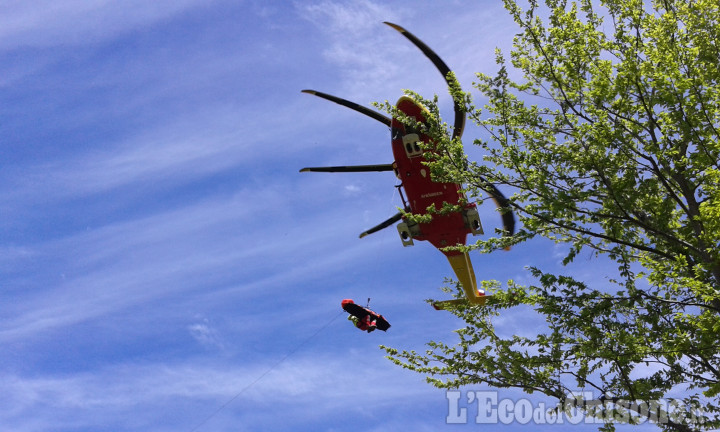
(462,266)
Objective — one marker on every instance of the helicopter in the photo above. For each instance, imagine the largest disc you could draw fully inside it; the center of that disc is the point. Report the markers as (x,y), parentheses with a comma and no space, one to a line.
(421,191)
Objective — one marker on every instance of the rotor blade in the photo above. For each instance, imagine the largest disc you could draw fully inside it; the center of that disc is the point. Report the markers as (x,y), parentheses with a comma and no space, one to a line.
(503,203)
(352,168)
(385,224)
(459,125)
(353,106)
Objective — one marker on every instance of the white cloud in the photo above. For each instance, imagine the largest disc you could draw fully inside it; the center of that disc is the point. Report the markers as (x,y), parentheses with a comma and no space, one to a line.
(353,189)
(205,334)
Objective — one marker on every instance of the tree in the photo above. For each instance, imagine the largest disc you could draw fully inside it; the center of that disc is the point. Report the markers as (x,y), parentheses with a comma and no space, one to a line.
(610,144)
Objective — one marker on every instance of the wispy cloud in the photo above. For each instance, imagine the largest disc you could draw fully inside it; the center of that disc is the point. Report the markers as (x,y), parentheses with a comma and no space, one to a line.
(375,62)
(191,249)
(357,43)
(134,394)
(185,147)
(161,253)
(205,334)
(46,23)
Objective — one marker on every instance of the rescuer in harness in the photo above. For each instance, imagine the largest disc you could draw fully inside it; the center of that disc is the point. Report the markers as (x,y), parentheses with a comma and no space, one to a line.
(364,318)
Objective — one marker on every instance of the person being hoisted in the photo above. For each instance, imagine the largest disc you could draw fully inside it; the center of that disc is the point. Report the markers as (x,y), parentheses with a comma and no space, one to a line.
(365,324)
(364,318)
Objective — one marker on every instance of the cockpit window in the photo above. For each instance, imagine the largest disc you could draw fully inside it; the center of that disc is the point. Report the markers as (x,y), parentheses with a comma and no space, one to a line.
(395,133)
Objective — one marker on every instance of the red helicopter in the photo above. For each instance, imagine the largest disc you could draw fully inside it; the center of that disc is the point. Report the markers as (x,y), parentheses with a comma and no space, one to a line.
(421,191)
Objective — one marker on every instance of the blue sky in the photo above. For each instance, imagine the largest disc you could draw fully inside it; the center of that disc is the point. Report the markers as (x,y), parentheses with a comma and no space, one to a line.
(161,258)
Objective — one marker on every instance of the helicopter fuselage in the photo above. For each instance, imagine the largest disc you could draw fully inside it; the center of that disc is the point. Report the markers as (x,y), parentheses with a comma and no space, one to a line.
(423,195)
